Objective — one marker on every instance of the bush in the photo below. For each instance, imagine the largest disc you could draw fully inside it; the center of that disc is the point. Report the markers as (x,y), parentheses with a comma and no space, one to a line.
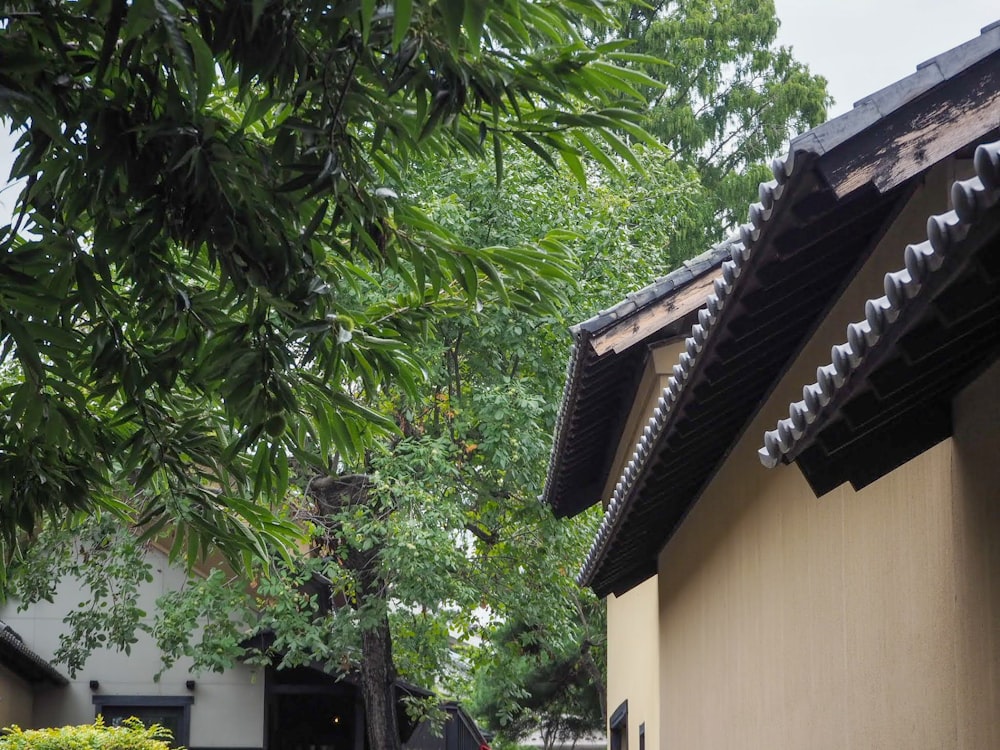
(131,735)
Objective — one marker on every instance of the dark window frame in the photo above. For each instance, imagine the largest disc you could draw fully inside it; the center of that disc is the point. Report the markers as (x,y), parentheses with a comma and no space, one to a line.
(618,727)
(182,736)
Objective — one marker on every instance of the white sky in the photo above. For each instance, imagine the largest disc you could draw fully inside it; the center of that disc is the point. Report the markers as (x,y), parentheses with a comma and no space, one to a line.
(861,46)
(858,45)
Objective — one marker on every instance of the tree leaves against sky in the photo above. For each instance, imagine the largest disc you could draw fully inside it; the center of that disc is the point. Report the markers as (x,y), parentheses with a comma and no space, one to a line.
(213,190)
(272,267)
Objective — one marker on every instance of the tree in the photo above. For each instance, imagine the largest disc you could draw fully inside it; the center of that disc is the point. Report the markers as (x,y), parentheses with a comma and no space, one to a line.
(729,96)
(429,526)
(214,243)
(434,533)
(549,681)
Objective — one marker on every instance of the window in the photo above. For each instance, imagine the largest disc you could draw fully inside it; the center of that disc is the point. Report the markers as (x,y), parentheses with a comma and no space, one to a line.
(618,727)
(172,712)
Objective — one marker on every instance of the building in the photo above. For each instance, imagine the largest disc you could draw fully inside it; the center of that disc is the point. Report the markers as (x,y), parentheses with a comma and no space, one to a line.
(23,674)
(796,439)
(244,708)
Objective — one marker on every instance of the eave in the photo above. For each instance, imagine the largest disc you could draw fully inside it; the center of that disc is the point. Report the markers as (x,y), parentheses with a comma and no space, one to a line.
(834,196)
(601,378)
(24,662)
(885,396)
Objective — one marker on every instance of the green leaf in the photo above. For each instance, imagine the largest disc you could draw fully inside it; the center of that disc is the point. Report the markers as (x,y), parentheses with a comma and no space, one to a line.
(402,14)
(575,166)
(474,18)
(257,10)
(453,13)
(27,349)
(367,12)
(204,64)
(498,159)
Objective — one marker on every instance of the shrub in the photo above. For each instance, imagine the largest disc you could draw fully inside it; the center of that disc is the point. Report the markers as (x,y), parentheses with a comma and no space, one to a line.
(131,735)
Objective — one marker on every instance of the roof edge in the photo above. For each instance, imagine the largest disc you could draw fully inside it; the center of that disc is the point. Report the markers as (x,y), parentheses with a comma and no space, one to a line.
(623,497)
(663,288)
(805,147)
(972,198)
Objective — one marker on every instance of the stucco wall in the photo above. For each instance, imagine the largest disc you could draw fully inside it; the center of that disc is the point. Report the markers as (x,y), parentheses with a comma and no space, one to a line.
(865,619)
(654,379)
(976,477)
(633,631)
(633,660)
(15,700)
(227,709)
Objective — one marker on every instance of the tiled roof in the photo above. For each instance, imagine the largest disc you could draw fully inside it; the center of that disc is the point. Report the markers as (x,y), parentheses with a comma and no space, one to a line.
(836,209)
(739,253)
(658,290)
(580,398)
(23,661)
(972,199)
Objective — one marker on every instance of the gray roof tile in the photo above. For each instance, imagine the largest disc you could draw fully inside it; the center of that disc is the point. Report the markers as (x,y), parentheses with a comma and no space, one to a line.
(971,199)
(815,142)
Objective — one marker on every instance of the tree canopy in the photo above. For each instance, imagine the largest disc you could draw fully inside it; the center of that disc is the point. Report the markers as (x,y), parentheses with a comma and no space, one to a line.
(216,251)
(729,96)
(286,266)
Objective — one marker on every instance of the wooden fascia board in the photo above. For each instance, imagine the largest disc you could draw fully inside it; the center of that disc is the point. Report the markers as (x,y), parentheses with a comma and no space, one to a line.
(656,317)
(920,134)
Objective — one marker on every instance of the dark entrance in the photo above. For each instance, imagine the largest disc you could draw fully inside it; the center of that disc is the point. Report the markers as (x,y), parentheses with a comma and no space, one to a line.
(308,709)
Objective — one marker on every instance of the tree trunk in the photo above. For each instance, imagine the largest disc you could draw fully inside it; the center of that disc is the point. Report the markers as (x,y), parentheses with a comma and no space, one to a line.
(378,687)
(378,672)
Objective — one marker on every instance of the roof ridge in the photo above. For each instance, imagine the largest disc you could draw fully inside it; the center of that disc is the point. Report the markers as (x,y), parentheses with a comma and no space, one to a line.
(661,286)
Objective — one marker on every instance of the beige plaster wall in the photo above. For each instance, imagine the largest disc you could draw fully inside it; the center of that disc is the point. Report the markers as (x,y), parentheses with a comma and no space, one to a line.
(15,700)
(633,630)
(654,379)
(864,619)
(633,660)
(976,509)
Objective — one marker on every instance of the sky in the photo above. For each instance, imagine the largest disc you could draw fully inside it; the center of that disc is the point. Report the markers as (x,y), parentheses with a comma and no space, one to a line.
(860,46)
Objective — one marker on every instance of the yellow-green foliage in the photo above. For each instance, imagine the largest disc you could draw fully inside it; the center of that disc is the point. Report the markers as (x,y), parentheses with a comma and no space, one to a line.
(131,735)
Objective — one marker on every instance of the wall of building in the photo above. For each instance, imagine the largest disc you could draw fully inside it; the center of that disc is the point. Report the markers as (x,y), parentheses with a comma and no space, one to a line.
(633,661)
(654,379)
(227,710)
(633,632)
(863,619)
(15,700)
(976,478)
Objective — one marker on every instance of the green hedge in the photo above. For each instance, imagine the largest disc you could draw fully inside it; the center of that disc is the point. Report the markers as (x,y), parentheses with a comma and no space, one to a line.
(131,735)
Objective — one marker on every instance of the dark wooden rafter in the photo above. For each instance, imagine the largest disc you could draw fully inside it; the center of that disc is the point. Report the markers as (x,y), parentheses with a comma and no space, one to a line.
(603,375)
(886,395)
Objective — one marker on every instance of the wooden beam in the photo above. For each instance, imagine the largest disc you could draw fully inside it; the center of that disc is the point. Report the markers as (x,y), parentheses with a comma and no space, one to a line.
(920,134)
(656,317)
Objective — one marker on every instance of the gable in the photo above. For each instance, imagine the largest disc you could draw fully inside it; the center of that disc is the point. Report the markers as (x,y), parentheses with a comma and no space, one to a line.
(834,197)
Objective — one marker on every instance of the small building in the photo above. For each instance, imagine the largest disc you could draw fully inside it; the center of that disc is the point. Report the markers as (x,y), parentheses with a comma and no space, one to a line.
(23,674)
(459,732)
(796,441)
(244,708)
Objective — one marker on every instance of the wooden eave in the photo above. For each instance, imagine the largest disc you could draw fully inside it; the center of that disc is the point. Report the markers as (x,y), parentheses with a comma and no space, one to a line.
(887,395)
(604,370)
(804,242)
